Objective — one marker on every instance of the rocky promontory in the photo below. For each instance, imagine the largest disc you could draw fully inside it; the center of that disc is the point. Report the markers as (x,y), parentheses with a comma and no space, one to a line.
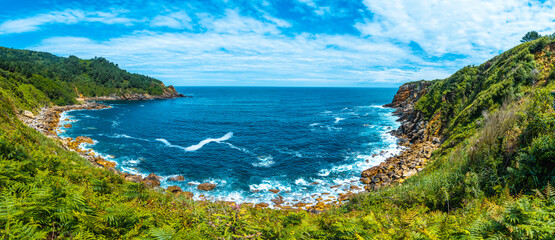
(169,92)
(419,136)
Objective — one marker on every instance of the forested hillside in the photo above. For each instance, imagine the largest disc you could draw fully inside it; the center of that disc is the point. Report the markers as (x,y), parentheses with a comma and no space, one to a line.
(62,80)
(492,177)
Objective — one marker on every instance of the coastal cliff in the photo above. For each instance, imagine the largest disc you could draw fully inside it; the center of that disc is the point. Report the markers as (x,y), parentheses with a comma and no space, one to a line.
(169,92)
(414,134)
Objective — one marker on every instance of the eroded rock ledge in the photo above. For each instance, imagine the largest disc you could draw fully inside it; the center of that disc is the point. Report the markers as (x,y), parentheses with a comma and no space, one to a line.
(415,133)
(169,92)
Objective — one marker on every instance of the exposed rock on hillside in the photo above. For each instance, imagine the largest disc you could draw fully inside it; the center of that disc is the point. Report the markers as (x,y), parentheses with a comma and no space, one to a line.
(418,135)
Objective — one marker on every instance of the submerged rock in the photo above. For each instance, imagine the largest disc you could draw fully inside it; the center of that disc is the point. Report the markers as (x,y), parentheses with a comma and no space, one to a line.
(278,200)
(274,190)
(177,178)
(206,186)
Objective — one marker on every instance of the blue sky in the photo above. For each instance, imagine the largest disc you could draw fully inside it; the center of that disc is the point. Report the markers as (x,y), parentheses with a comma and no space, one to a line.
(347,43)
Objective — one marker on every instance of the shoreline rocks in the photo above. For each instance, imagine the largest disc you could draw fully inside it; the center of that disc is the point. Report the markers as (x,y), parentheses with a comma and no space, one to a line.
(419,136)
(206,186)
(169,93)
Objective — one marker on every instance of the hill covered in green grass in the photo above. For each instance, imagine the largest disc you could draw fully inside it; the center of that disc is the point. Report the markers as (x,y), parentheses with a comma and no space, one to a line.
(491,178)
(60,80)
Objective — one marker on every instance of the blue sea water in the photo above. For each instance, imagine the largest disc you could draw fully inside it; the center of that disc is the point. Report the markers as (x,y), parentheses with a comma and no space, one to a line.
(247,139)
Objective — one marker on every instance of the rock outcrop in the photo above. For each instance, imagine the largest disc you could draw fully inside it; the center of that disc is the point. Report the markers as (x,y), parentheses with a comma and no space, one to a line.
(418,135)
(169,92)
(177,179)
(206,186)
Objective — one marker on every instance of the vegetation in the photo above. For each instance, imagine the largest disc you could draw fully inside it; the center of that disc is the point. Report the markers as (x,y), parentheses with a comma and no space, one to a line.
(492,178)
(64,79)
(530,36)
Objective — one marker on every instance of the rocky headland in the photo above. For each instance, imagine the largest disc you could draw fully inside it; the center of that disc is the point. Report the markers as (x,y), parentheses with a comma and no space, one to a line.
(169,92)
(420,137)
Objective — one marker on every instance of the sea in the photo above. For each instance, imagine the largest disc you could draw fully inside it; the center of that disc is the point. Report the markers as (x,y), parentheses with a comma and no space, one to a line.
(305,142)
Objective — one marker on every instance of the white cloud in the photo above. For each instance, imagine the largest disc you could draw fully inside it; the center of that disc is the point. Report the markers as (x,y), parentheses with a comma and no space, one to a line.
(177,20)
(475,27)
(69,16)
(242,50)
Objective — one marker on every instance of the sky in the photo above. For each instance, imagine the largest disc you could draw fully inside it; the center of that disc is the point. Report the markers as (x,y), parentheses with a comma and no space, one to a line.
(339,43)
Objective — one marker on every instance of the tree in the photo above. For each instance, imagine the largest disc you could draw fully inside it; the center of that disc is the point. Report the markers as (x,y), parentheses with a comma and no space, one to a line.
(530,36)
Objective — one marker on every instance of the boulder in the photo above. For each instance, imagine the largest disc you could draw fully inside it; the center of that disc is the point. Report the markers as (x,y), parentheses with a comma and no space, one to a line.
(134,178)
(174,189)
(152,176)
(28,114)
(82,139)
(177,179)
(67,125)
(152,180)
(206,186)
(274,190)
(278,200)
(261,205)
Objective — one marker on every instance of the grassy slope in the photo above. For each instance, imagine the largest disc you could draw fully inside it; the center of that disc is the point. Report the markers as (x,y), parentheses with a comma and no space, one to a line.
(479,185)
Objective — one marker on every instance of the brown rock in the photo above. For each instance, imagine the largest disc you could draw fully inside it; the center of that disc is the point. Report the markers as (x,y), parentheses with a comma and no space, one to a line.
(274,190)
(261,205)
(82,139)
(278,200)
(134,178)
(28,114)
(67,125)
(188,195)
(174,189)
(151,182)
(345,196)
(206,186)
(177,178)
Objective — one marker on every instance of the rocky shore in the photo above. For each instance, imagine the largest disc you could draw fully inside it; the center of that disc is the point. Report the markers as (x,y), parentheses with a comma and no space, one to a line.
(169,92)
(420,138)
(415,134)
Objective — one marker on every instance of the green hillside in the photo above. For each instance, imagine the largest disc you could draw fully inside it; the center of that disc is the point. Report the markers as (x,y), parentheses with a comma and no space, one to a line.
(491,179)
(61,79)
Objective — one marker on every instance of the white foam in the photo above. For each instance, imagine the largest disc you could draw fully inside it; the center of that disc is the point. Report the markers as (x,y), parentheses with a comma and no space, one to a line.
(301,182)
(199,145)
(337,119)
(264,161)
(324,172)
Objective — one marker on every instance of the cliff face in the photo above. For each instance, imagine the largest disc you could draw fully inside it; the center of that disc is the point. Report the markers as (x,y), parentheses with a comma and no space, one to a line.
(169,92)
(413,126)
(414,133)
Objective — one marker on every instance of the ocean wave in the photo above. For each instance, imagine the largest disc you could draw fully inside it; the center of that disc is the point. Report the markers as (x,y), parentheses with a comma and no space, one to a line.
(199,145)
(264,161)
(337,119)
(127,136)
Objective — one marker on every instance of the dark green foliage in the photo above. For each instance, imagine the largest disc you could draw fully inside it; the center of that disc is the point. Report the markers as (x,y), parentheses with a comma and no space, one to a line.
(530,36)
(63,79)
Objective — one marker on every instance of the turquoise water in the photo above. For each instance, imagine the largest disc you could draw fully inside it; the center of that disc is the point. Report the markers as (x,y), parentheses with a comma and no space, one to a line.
(247,139)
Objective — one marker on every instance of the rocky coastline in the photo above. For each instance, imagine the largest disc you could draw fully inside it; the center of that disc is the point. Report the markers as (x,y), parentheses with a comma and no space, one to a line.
(420,137)
(413,134)
(169,93)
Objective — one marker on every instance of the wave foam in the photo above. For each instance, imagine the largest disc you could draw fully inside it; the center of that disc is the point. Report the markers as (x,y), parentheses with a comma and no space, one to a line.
(264,161)
(337,119)
(199,145)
